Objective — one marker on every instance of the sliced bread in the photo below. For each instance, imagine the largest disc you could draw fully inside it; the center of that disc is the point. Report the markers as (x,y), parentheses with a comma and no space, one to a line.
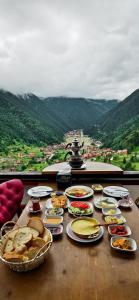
(9,246)
(14,257)
(38,242)
(22,237)
(36,223)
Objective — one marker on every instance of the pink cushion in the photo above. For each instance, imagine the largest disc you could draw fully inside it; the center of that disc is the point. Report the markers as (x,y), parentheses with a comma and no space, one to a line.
(11,194)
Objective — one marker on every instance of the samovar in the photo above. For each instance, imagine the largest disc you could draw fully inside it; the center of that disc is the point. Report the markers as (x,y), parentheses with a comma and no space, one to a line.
(76,160)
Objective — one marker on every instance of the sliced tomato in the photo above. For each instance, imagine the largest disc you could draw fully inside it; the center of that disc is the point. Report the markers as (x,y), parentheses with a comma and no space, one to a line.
(81,205)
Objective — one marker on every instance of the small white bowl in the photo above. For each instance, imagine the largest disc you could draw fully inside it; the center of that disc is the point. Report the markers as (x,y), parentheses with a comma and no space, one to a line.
(46,218)
(120,219)
(132,242)
(105,211)
(127,228)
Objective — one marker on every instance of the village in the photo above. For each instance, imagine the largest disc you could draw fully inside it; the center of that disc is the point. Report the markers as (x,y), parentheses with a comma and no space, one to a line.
(27,158)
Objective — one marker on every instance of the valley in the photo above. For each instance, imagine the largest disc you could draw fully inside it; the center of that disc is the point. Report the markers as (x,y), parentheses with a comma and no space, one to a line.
(34,131)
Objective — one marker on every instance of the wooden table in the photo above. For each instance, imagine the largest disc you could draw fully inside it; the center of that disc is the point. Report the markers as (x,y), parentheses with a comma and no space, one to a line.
(75,271)
(91,168)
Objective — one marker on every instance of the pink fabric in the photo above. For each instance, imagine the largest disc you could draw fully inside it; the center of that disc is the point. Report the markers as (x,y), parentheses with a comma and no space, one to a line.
(11,194)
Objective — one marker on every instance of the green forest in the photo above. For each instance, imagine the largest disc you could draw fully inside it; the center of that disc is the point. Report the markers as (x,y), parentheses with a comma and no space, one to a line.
(29,124)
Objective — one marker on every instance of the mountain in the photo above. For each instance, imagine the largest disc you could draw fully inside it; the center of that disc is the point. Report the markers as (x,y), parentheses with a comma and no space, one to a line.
(119,128)
(122,113)
(124,137)
(35,120)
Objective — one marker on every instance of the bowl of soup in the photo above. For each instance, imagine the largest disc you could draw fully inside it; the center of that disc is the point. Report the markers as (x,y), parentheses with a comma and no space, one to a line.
(85,227)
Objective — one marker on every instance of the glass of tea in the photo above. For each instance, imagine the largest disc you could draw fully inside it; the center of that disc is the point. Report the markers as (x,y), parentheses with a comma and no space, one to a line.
(35,203)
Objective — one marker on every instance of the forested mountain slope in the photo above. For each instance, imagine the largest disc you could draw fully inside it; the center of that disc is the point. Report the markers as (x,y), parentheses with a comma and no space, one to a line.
(39,121)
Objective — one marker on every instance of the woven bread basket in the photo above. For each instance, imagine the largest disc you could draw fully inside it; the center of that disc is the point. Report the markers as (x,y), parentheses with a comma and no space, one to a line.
(27,265)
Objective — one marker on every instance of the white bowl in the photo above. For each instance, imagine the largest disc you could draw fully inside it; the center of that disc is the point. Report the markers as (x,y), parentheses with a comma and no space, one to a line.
(46,218)
(132,242)
(115,234)
(105,211)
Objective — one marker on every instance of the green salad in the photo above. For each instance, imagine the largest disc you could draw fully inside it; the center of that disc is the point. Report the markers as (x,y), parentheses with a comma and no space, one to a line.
(80,208)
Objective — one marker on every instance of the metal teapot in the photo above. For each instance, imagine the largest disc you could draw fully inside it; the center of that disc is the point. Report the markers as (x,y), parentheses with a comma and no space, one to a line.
(75,161)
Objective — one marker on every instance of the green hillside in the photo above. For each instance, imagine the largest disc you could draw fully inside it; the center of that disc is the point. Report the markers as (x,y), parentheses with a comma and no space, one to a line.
(125,137)
(119,128)
(34,120)
(122,113)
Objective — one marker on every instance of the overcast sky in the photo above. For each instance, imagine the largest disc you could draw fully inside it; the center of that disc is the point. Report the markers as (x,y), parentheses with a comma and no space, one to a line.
(87,48)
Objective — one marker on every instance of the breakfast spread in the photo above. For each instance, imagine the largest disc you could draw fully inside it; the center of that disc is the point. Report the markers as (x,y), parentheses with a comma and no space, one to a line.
(25,243)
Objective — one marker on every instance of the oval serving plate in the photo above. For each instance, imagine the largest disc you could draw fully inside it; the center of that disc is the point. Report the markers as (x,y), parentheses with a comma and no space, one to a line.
(105,202)
(75,238)
(116,191)
(40,191)
(79,192)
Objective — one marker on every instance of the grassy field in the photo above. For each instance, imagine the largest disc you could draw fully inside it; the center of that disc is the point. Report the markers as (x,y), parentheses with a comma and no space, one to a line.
(26,158)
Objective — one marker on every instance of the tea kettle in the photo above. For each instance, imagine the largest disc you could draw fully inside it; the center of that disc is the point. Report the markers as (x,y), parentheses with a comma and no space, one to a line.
(75,161)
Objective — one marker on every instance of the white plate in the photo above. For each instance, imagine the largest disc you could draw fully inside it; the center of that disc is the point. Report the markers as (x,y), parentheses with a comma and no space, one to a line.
(40,191)
(79,214)
(86,188)
(112,202)
(48,204)
(84,241)
(132,242)
(122,220)
(30,209)
(115,234)
(116,191)
(106,212)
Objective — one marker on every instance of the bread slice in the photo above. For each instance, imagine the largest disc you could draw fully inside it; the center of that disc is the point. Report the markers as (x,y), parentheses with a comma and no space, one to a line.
(36,223)
(38,242)
(20,249)
(8,246)
(14,257)
(22,237)
(35,233)
(46,236)
(12,233)
(31,252)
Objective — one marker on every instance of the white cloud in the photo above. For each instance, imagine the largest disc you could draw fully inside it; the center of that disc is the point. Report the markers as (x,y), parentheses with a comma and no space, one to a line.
(75,48)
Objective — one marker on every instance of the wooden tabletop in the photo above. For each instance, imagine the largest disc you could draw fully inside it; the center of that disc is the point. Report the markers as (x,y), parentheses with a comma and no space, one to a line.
(75,271)
(91,168)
